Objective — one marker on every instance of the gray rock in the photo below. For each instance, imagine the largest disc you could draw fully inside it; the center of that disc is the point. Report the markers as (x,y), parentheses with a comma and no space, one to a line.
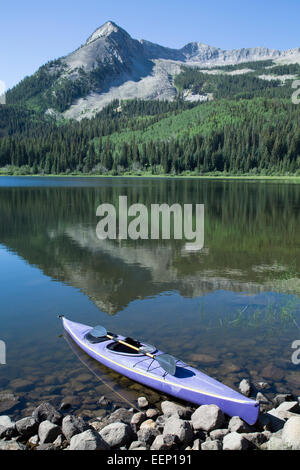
(262,385)
(160,422)
(48,432)
(166,442)
(116,434)
(48,446)
(137,419)
(121,415)
(270,422)
(211,445)
(11,445)
(143,402)
(235,441)
(103,401)
(8,401)
(72,425)
(147,436)
(256,439)
(88,440)
(59,441)
(33,441)
(46,412)
(172,409)
(276,443)
(218,434)
(152,413)
(208,418)
(27,427)
(282,397)
(197,444)
(236,424)
(291,406)
(264,402)
(180,428)
(137,445)
(149,423)
(291,433)
(245,387)
(69,401)
(7,427)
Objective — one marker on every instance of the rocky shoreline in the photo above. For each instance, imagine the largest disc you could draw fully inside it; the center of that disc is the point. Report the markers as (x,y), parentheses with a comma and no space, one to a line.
(171,426)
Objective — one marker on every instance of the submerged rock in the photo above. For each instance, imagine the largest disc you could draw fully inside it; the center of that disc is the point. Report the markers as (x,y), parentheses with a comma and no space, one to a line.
(8,401)
(47,412)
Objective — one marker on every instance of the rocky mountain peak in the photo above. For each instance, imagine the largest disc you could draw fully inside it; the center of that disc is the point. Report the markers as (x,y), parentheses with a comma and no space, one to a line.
(107,29)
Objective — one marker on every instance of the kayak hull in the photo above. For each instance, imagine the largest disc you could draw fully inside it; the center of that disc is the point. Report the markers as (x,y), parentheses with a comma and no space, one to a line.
(188,384)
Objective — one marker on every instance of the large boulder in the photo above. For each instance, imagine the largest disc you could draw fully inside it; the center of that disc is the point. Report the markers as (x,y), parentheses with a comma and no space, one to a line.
(208,418)
(88,440)
(116,434)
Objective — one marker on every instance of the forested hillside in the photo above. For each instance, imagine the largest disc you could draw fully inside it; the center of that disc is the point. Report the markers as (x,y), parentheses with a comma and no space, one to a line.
(248,126)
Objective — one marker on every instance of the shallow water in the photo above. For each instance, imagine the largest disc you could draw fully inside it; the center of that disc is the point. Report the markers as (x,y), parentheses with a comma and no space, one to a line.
(231,309)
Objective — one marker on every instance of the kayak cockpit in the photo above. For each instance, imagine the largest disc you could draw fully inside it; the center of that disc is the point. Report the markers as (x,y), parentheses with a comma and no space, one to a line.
(123,350)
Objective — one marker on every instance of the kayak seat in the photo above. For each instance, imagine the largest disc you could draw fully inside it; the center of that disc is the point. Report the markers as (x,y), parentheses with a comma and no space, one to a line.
(94,340)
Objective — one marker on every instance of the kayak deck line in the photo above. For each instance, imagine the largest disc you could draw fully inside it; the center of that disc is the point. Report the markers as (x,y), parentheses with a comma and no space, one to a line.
(153,377)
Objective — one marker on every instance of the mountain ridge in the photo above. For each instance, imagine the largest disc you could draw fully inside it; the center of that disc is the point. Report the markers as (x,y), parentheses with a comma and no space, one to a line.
(113,65)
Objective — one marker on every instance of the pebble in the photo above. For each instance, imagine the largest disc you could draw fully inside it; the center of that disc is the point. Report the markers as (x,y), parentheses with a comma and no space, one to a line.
(245,387)
(142,402)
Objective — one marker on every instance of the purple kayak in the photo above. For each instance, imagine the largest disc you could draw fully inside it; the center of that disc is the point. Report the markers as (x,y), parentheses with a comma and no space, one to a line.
(187,384)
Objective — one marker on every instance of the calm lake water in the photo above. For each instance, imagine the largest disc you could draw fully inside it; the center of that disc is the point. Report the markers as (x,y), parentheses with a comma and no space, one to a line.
(231,309)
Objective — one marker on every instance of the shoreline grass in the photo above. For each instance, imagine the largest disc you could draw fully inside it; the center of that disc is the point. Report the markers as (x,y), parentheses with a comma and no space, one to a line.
(287,178)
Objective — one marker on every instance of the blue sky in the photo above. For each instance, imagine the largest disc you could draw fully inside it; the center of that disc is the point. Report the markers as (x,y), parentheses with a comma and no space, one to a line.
(33,32)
